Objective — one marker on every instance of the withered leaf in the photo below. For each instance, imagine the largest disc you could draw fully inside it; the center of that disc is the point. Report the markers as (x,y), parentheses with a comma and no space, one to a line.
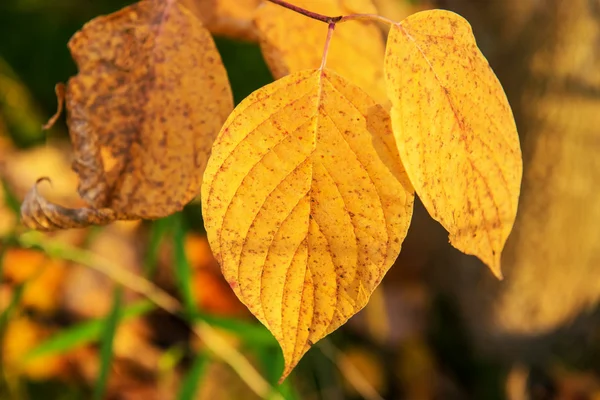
(150,96)
(306,204)
(40,214)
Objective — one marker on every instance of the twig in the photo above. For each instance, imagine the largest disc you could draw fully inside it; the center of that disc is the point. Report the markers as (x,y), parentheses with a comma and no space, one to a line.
(309,14)
(333,20)
(211,337)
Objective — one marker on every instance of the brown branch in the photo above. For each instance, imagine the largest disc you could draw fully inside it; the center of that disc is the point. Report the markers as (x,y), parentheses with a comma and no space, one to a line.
(309,14)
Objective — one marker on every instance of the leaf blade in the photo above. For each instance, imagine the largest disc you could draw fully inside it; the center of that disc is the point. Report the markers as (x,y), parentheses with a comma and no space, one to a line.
(300,210)
(106,348)
(455,131)
(183,269)
(190,384)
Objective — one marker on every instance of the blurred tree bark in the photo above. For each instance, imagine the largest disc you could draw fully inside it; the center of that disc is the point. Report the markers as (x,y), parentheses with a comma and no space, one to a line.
(547,54)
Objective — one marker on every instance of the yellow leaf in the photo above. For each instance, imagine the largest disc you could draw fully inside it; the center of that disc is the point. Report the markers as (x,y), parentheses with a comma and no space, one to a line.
(359,6)
(291,42)
(231,18)
(306,205)
(397,10)
(455,131)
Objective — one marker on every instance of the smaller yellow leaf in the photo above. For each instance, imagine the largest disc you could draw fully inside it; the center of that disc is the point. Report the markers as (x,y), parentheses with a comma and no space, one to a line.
(291,42)
(359,6)
(397,10)
(231,18)
(305,205)
(455,131)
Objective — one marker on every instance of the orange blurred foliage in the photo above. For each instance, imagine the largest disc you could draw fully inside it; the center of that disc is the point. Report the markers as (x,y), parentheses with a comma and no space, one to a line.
(43,276)
(212,292)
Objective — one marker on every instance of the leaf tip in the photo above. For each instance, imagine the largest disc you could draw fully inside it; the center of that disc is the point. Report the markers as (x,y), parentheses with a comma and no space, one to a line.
(493,264)
(497,272)
(287,370)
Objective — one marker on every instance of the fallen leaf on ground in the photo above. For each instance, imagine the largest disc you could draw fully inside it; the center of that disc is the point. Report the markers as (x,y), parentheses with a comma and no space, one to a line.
(455,131)
(306,205)
(22,335)
(21,265)
(43,276)
(291,42)
(150,97)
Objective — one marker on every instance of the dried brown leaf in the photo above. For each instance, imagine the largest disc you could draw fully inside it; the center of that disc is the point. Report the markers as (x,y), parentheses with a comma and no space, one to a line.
(150,97)
(40,214)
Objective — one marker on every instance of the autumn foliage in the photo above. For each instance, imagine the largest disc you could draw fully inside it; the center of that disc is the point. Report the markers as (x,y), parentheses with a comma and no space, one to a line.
(308,192)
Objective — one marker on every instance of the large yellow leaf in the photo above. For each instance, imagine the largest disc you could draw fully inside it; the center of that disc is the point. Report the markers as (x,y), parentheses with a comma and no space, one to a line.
(306,204)
(455,131)
(291,42)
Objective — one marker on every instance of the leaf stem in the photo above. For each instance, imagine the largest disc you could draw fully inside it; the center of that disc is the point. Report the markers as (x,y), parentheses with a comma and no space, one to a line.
(367,17)
(327,43)
(309,14)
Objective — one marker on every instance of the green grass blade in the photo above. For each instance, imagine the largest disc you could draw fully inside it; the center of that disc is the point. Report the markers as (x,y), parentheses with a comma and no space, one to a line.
(106,348)
(157,233)
(83,333)
(191,382)
(10,199)
(271,359)
(253,334)
(14,302)
(3,248)
(183,270)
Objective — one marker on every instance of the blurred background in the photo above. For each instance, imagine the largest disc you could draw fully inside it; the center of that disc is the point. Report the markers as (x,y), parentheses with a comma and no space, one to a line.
(439,327)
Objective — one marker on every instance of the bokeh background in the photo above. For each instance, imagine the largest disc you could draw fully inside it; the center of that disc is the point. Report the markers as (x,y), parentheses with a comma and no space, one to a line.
(439,327)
